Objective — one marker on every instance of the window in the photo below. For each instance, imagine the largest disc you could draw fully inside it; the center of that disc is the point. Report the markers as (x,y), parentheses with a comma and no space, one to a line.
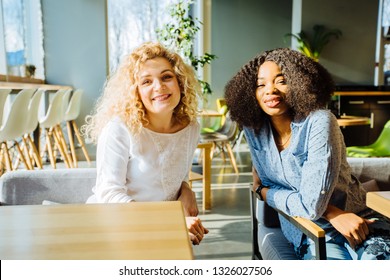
(131,22)
(21,28)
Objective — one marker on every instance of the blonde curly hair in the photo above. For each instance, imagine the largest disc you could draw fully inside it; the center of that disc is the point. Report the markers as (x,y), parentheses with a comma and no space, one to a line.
(121,98)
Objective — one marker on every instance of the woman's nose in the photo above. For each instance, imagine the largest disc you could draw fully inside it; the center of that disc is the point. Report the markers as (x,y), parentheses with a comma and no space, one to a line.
(269,89)
(157,84)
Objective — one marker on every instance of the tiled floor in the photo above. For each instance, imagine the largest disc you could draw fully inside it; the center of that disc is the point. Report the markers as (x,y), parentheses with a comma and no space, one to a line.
(229,218)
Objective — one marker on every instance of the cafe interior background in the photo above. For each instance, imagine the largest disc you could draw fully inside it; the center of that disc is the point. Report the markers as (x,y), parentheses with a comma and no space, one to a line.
(78,43)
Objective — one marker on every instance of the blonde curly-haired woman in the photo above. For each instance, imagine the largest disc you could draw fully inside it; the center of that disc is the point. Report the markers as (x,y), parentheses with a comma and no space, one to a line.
(146,132)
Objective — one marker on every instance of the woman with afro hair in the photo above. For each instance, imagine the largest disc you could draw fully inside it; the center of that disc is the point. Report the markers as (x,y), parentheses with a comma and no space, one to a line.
(299,157)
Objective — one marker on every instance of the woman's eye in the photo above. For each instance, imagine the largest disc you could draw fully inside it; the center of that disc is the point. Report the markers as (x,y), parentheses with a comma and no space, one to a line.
(145,82)
(167,77)
(260,85)
(281,81)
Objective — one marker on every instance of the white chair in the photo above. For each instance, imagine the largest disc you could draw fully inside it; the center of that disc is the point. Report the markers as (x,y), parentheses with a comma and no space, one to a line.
(4,93)
(31,125)
(70,117)
(64,107)
(50,124)
(13,127)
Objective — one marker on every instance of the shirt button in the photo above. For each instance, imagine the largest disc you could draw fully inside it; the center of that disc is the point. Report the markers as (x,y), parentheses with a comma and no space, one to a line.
(322,192)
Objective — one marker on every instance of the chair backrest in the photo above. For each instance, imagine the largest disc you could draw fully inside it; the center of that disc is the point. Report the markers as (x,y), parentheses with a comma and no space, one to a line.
(229,128)
(54,113)
(65,103)
(32,119)
(223,110)
(4,93)
(382,144)
(73,109)
(15,123)
(233,131)
(220,103)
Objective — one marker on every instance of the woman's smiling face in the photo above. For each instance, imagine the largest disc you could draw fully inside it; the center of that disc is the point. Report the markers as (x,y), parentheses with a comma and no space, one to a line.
(158,86)
(271,89)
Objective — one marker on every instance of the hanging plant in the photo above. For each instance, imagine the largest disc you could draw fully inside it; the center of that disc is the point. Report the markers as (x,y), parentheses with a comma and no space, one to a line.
(312,47)
(180,35)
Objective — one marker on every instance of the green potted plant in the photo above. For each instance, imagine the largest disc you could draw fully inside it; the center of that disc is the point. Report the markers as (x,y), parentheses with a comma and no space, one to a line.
(313,46)
(180,35)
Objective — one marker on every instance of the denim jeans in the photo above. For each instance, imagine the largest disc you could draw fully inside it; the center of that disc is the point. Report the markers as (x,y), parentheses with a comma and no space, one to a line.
(375,247)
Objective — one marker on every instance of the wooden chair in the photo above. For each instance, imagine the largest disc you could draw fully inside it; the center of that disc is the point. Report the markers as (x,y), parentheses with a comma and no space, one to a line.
(206,176)
(4,93)
(223,139)
(50,124)
(13,128)
(220,103)
(71,114)
(31,125)
(265,219)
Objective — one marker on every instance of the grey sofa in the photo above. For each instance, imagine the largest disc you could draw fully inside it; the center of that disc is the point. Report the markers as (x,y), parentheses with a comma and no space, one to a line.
(29,187)
(269,242)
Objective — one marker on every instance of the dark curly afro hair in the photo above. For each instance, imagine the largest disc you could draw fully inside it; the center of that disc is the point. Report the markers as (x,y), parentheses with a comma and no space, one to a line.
(310,87)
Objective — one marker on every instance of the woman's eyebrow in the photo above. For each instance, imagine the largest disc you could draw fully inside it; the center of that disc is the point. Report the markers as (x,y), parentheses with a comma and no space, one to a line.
(277,76)
(162,72)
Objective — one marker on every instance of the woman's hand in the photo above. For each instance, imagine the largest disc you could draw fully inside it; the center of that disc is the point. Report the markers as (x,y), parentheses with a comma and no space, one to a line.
(188,199)
(195,229)
(354,228)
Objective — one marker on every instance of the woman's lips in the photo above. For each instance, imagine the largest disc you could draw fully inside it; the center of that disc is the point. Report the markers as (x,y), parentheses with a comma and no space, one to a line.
(272,101)
(161,97)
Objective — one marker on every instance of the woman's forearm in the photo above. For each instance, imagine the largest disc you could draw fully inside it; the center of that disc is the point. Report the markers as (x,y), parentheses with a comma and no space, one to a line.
(188,199)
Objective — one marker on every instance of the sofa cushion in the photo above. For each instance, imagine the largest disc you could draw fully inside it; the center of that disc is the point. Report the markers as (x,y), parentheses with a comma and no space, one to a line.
(29,187)
(366,169)
(371,186)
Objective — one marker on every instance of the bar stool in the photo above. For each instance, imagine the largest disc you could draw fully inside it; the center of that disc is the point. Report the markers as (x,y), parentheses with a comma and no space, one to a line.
(71,115)
(13,127)
(50,124)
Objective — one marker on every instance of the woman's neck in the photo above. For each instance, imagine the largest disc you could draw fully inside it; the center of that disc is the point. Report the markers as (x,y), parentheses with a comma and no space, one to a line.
(163,124)
(281,125)
(281,128)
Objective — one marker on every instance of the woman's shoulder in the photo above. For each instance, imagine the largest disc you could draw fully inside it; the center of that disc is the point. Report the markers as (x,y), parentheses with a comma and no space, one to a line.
(192,126)
(322,113)
(115,126)
(322,116)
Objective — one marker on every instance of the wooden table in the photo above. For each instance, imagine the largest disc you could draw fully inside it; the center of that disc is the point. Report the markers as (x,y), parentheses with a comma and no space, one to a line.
(379,201)
(353,120)
(210,113)
(131,231)
(205,177)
